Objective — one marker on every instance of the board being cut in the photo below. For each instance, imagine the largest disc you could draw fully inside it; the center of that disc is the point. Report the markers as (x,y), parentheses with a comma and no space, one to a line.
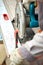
(7,29)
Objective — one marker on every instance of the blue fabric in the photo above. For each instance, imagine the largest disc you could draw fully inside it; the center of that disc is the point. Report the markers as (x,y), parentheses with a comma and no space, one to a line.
(31,13)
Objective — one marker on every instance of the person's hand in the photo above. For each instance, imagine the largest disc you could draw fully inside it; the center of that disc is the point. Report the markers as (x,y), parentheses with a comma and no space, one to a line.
(15,58)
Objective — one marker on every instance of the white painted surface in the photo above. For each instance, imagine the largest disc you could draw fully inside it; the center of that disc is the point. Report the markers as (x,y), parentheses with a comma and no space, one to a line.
(7,30)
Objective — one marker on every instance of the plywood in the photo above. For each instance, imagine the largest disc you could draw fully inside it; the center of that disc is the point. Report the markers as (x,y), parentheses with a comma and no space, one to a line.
(2,53)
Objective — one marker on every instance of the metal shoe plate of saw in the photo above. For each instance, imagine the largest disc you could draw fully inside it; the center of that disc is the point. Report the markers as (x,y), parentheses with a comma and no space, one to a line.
(7,29)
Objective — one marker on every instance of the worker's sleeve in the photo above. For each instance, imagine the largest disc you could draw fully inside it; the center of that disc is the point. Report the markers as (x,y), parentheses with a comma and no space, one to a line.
(25,54)
(22,56)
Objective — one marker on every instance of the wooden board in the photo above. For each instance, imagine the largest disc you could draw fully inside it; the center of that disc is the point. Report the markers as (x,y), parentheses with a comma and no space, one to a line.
(2,53)
(7,29)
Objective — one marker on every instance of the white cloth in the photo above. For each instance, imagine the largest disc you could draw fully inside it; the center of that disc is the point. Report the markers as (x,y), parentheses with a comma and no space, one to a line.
(36,44)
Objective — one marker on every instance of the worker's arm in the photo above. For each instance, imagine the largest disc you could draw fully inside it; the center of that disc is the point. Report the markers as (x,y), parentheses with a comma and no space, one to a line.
(27,52)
